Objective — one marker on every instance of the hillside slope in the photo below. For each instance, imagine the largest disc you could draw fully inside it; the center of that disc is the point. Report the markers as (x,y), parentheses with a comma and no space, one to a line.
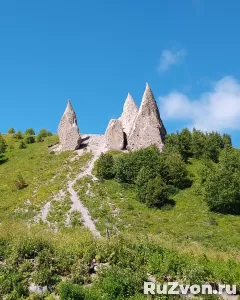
(48,221)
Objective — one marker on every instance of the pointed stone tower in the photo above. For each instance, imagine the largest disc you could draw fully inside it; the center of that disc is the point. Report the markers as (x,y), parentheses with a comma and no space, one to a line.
(114,135)
(68,131)
(148,128)
(129,114)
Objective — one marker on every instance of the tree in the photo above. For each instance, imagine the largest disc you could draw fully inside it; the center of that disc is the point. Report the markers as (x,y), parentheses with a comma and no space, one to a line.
(11,130)
(144,175)
(22,145)
(30,139)
(172,142)
(39,138)
(173,170)
(30,131)
(44,133)
(125,168)
(227,140)
(156,193)
(18,135)
(185,144)
(198,143)
(230,159)
(213,145)
(105,166)
(222,191)
(3,145)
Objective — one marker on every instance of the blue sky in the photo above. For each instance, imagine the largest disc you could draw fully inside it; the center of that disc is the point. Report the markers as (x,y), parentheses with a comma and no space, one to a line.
(95,52)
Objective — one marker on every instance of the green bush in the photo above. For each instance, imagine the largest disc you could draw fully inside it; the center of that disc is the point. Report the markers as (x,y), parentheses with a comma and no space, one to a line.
(3,144)
(30,131)
(125,168)
(105,166)
(117,283)
(70,291)
(222,191)
(22,145)
(44,133)
(157,192)
(198,143)
(173,170)
(144,175)
(227,140)
(20,183)
(18,135)
(30,139)
(39,138)
(11,130)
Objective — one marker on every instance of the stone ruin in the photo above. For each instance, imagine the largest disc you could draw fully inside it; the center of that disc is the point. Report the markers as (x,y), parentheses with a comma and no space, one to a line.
(137,129)
(68,131)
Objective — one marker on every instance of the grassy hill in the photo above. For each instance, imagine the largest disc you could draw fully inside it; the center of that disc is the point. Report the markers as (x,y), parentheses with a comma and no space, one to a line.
(183,241)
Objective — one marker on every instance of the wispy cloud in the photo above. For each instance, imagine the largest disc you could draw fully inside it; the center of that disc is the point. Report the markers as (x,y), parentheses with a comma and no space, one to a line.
(218,109)
(169,58)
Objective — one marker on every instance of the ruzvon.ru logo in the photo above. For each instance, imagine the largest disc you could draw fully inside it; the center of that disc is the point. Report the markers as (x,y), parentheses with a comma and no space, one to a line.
(173,288)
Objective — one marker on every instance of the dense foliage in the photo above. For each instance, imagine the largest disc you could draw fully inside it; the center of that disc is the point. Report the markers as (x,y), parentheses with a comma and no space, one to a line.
(3,145)
(30,131)
(126,264)
(155,175)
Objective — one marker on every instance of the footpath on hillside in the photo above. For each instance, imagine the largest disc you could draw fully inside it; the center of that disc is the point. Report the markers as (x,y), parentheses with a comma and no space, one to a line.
(96,145)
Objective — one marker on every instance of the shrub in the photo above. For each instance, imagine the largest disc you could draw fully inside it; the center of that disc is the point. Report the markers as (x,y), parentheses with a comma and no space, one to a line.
(185,144)
(80,272)
(173,170)
(44,133)
(117,283)
(22,145)
(124,168)
(20,183)
(127,166)
(157,192)
(70,291)
(213,145)
(30,131)
(30,139)
(11,130)
(222,191)
(18,135)
(144,175)
(3,145)
(105,166)
(198,143)
(39,138)
(227,141)
(206,170)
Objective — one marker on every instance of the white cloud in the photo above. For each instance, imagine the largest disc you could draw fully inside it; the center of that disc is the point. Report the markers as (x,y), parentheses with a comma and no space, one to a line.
(216,110)
(169,58)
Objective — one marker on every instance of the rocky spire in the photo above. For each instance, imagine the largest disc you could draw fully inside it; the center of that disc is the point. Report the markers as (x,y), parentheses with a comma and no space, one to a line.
(148,128)
(114,135)
(68,131)
(129,114)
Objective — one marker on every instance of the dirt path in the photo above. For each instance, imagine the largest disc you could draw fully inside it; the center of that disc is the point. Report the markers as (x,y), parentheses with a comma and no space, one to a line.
(95,144)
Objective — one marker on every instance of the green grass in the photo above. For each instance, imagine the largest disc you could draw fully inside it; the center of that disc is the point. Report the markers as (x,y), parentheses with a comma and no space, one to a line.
(186,242)
(189,222)
(45,174)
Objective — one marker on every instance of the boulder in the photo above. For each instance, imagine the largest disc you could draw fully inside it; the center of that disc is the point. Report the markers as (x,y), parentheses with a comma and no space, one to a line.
(68,131)
(148,128)
(129,114)
(114,135)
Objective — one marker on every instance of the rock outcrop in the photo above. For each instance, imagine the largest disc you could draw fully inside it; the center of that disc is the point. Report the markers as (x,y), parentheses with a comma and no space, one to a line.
(114,135)
(148,128)
(130,111)
(68,131)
